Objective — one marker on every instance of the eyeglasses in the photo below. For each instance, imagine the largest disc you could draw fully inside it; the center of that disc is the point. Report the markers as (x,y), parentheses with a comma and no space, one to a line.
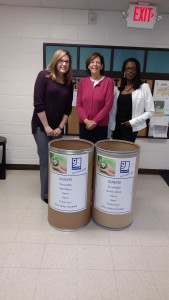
(62,61)
(130,69)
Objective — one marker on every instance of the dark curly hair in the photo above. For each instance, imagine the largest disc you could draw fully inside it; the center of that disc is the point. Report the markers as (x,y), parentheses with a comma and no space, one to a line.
(137,82)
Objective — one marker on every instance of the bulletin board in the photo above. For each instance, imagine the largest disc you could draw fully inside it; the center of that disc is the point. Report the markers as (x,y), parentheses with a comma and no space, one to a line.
(158,127)
(154,66)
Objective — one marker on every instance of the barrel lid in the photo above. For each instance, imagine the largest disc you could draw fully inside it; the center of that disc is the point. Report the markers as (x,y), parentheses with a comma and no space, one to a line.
(70,146)
(117,146)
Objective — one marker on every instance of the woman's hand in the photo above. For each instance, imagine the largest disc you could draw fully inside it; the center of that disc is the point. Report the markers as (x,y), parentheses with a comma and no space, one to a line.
(127,124)
(57,131)
(48,130)
(90,124)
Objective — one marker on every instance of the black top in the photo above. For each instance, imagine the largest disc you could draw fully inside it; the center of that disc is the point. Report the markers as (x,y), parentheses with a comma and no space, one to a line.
(53,98)
(124,108)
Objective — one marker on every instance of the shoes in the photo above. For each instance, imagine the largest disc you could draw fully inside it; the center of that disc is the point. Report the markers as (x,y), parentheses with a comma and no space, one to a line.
(46,200)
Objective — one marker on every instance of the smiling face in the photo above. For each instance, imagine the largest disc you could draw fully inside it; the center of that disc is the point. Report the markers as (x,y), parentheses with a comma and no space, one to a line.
(130,70)
(63,64)
(95,66)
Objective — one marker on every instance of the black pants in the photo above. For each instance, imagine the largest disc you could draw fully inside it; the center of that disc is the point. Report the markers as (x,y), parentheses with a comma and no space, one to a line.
(122,132)
(94,135)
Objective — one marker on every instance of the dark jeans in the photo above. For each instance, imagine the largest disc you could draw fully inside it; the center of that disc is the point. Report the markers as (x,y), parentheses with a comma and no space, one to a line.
(94,135)
(42,141)
(122,132)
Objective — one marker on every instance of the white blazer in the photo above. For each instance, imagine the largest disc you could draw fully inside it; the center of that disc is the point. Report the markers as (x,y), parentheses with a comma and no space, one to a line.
(142,108)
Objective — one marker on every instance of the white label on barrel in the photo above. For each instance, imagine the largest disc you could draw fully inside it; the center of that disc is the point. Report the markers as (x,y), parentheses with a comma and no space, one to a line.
(68,182)
(114,184)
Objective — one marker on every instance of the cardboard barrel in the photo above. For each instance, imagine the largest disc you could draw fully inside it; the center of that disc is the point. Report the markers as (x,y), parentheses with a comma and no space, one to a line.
(116,168)
(70,183)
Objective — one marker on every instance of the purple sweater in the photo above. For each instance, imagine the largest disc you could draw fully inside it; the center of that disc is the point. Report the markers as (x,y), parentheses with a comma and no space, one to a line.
(53,98)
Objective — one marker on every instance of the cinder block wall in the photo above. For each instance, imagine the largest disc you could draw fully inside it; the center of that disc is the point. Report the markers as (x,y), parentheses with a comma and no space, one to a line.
(23,30)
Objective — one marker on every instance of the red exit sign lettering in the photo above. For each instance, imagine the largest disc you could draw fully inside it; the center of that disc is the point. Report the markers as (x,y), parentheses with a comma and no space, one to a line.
(141,16)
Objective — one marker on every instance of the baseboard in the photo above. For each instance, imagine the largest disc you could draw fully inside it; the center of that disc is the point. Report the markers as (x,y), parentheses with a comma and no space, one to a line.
(36,167)
(21,167)
(153,171)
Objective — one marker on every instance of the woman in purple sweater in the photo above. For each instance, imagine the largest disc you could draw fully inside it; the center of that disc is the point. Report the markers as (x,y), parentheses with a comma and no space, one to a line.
(94,100)
(53,95)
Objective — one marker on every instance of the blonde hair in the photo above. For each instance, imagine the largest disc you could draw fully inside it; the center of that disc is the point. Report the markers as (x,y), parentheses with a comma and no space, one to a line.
(52,67)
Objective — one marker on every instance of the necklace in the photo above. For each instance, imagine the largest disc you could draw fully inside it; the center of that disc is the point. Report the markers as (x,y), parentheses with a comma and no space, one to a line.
(128,88)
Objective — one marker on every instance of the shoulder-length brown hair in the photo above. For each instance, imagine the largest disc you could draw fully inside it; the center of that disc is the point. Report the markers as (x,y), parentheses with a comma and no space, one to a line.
(52,67)
(91,57)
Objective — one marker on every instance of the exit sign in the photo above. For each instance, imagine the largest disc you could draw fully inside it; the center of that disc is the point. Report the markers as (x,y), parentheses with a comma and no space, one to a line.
(141,16)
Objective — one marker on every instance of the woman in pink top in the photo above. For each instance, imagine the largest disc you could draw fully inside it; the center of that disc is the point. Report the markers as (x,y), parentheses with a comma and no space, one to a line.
(94,100)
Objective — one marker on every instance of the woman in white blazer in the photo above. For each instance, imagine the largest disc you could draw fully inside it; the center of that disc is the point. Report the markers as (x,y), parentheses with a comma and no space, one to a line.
(133,104)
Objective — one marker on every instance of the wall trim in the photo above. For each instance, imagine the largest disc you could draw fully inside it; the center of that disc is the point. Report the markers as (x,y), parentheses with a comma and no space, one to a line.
(21,167)
(153,171)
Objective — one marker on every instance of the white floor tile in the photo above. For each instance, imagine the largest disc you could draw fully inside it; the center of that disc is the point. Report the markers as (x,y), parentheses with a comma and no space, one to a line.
(96,284)
(40,262)
(157,258)
(8,232)
(32,233)
(94,257)
(136,285)
(36,215)
(126,237)
(12,215)
(56,284)
(24,256)
(16,202)
(129,258)
(60,256)
(56,236)
(96,236)
(164,218)
(18,283)
(146,219)
(4,250)
(162,283)
(153,237)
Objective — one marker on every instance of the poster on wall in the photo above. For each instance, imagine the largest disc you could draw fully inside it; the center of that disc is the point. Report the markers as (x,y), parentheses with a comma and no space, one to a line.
(161,97)
(160,121)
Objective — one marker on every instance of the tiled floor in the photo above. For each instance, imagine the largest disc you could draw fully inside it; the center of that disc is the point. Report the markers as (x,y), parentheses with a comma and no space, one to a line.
(39,262)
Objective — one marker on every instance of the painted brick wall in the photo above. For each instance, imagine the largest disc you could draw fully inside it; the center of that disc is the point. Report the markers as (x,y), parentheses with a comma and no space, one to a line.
(23,30)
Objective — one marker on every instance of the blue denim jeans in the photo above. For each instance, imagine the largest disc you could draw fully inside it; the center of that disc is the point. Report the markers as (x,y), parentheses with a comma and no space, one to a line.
(42,141)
